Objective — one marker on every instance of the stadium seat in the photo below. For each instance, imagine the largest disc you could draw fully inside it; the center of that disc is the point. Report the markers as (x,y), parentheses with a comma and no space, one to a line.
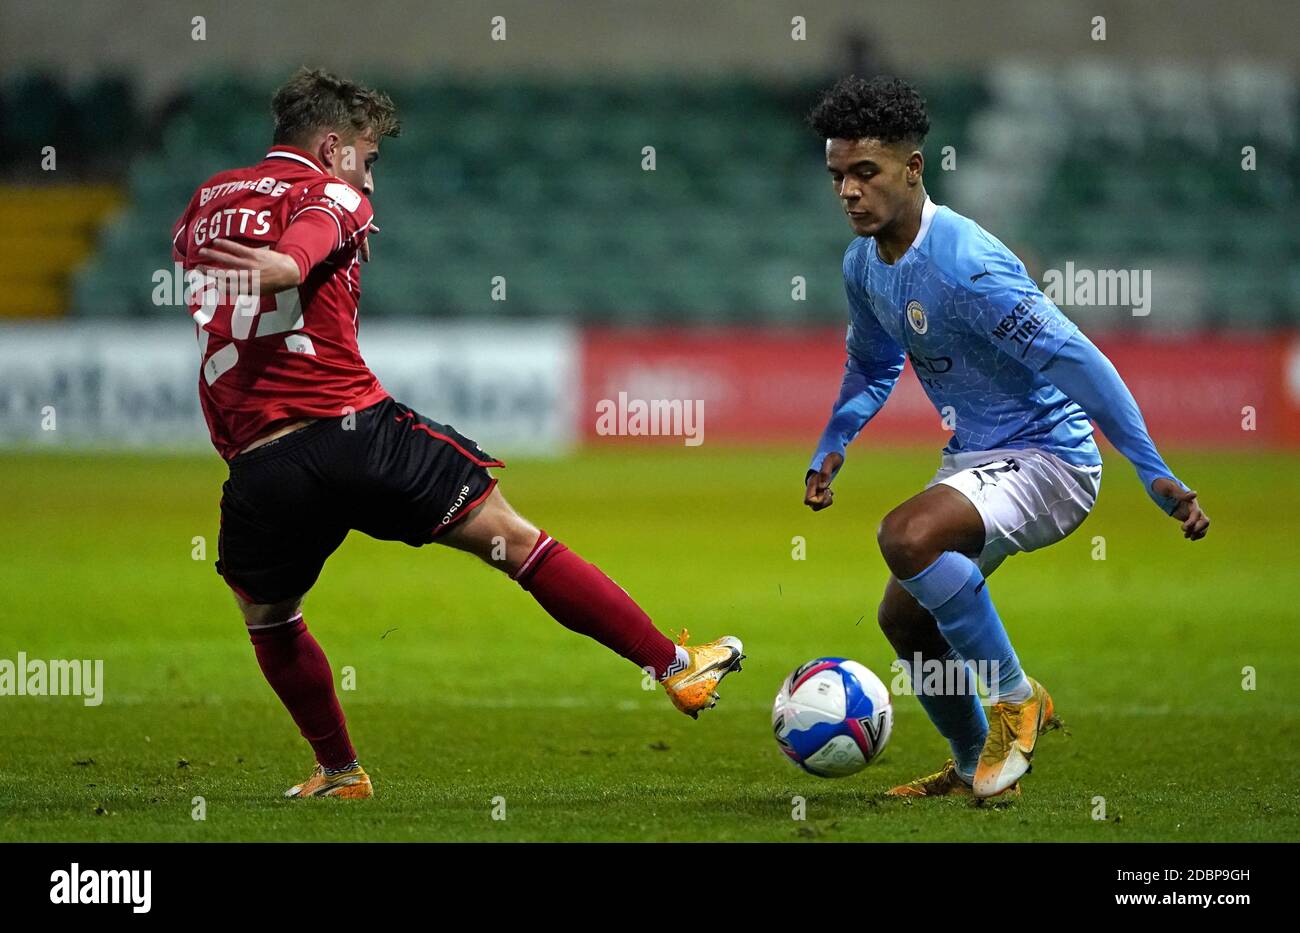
(542,181)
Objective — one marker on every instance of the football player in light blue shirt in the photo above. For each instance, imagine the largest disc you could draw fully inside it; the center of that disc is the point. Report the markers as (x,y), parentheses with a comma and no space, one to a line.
(1017,383)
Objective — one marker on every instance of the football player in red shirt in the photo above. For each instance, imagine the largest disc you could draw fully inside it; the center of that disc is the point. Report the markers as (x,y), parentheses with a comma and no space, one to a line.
(316,447)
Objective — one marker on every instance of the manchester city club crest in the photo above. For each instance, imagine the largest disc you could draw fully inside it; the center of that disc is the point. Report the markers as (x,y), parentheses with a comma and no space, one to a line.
(916,317)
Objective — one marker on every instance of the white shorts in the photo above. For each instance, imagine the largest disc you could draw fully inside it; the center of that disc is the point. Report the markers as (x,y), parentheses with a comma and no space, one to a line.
(1028,498)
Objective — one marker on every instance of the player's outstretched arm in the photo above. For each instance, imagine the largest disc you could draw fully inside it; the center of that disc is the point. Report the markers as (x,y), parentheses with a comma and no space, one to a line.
(271,271)
(1084,373)
(862,393)
(310,238)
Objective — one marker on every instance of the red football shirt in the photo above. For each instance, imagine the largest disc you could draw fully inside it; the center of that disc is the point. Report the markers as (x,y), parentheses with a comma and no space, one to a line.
(279,358)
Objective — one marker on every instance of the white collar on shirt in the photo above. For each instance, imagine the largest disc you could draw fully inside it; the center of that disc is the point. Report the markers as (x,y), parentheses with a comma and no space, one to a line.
(282,154)
(928,210)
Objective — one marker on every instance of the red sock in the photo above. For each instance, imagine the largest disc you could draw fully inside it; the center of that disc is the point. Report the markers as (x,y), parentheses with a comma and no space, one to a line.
(297,669)
(583,599)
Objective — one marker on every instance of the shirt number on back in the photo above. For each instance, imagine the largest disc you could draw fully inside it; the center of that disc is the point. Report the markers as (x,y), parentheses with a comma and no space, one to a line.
(247,319)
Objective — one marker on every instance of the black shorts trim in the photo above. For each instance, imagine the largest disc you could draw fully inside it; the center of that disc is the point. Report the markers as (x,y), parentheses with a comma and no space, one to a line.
(417,425)
(465,510)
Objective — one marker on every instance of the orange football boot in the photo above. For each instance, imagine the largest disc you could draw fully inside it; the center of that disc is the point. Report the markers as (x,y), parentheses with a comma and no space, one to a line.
(695,688)
(1014,729)
(351,784)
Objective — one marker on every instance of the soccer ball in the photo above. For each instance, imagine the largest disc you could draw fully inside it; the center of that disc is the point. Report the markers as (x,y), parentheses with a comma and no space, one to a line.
(832,717)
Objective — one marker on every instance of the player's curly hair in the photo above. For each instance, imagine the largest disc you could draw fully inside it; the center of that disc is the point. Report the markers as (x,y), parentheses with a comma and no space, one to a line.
(884,108)
(313,100)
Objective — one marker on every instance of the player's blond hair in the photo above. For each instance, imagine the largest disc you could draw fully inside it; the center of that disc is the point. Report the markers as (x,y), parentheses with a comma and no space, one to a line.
(313,100)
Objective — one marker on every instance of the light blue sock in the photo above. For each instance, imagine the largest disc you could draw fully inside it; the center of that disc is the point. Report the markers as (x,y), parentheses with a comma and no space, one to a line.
(953,589)
(955,711)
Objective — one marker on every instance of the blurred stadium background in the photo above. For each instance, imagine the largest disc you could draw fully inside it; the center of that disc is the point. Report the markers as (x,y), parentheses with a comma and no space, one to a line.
(522,158)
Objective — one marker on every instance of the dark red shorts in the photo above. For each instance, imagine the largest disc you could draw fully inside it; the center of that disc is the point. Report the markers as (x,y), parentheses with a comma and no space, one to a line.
(384,471)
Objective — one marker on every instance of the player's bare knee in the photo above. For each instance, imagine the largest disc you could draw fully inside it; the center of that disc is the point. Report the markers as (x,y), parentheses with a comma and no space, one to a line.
(520,537)
(907,542)
(509,546)
(496,533)
(265,615)
(515,534)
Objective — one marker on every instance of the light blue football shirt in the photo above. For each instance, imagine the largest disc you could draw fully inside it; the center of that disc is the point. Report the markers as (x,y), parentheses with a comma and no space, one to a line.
(977,330)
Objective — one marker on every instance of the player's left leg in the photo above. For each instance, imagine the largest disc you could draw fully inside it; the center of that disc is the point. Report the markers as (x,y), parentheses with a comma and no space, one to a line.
(422,482)
(582,598)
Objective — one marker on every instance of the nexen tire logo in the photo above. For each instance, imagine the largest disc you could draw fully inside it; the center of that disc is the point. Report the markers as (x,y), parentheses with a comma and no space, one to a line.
(105,886)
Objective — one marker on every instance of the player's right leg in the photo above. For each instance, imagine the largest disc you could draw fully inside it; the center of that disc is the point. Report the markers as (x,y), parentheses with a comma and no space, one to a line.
(299,673)
(940,543)
(929,542)
(278,526)
(581,598)
(951,702)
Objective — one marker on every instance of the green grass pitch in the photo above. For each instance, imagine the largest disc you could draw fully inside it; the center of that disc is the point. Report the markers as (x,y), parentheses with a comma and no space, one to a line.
(467,694)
